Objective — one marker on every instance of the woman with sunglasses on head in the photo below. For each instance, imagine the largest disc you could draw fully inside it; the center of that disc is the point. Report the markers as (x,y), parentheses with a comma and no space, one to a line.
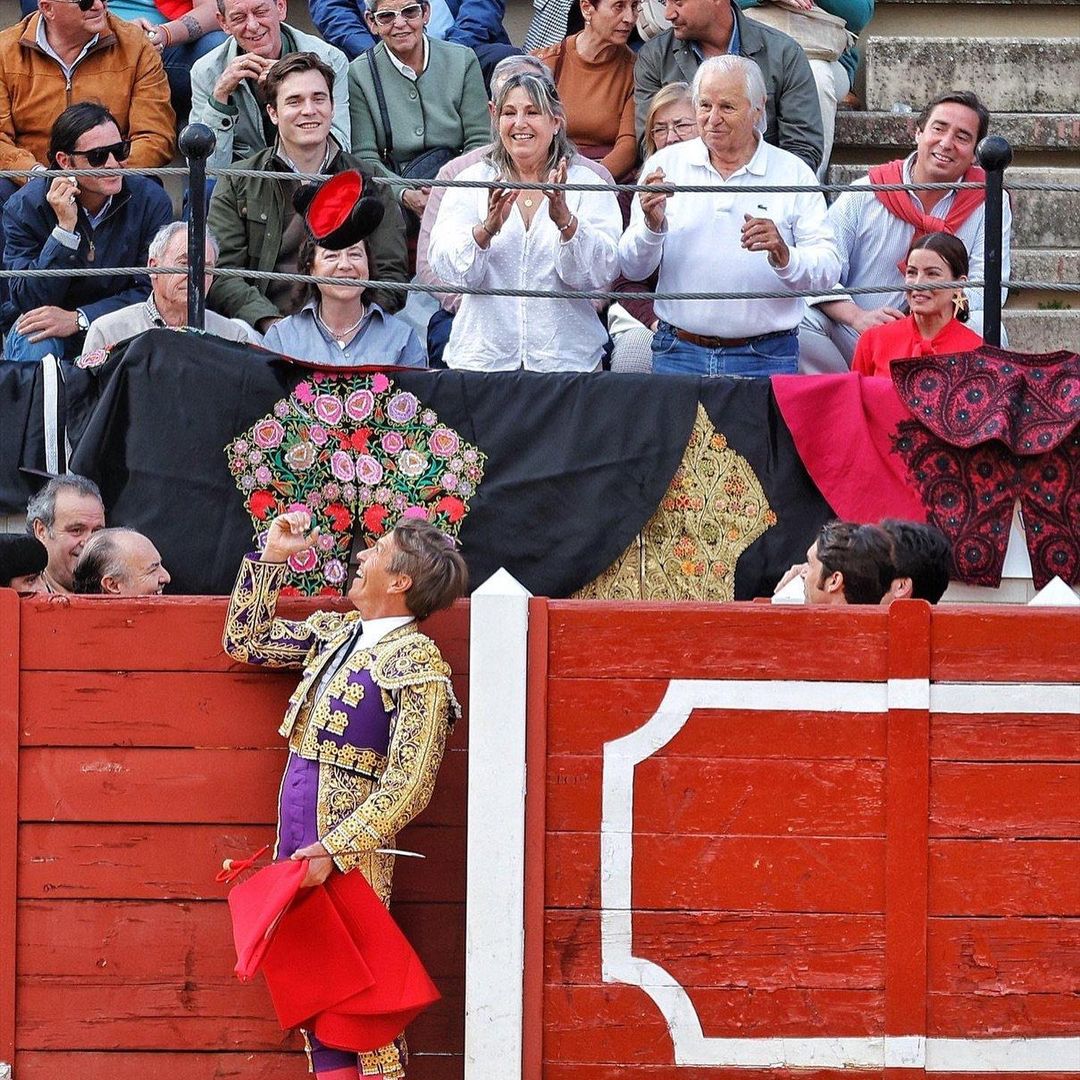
(73,222)
(415,101)
(594,74)
(935,326)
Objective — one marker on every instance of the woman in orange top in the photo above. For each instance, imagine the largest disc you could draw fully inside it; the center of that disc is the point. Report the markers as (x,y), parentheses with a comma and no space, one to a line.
(936,323)
(594,73)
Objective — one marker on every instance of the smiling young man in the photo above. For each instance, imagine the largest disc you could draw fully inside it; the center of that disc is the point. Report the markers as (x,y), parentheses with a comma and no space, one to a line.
(367,725)
(875,234)
(254,219)
(228,84)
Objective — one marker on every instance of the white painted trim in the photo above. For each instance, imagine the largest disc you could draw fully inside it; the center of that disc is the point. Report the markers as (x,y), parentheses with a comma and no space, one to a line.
(618,964)
(495,851)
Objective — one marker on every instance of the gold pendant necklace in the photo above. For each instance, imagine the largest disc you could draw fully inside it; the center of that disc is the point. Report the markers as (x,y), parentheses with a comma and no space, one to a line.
(528,201)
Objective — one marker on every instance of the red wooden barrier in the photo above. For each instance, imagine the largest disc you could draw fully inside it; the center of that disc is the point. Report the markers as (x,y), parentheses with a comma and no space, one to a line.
(143,757)
(898,870)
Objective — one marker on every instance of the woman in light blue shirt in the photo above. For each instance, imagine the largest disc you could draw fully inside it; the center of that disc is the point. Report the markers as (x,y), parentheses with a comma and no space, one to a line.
(336,327)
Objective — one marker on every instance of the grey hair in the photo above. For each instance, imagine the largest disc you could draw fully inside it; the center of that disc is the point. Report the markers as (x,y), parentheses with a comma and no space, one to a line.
(543,95)
(101,558)
(728,64)
(163,237)
(519,63)
(42,506)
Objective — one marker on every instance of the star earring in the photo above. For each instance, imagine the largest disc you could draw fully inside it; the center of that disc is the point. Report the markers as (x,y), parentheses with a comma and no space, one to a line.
(961,308)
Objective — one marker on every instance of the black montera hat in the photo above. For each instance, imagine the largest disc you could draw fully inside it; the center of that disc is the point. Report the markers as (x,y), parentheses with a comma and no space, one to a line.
(19,555)
(338,212)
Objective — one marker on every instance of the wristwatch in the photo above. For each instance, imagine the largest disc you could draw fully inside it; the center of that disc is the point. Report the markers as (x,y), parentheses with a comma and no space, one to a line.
(81,321)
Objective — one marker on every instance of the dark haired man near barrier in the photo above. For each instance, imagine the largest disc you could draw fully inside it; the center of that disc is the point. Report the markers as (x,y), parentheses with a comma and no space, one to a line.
(93,222)
(22,564)
(367,725)
(63,515)
(875,231)
(848,564)
(921,558)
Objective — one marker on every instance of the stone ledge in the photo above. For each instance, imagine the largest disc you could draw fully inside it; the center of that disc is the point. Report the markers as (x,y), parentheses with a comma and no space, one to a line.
(1042,331)
(1041,219)
(1012,74)
(1025,131)
(1041,264)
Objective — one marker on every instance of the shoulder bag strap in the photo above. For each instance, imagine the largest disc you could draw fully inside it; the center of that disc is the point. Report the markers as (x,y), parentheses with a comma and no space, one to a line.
(560,56)
(387,154)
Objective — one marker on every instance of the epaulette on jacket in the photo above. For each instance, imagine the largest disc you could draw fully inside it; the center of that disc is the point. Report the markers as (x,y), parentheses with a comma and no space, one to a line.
(411,659)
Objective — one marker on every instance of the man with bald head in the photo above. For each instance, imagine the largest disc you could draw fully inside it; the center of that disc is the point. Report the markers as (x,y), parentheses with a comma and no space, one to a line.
(120,562)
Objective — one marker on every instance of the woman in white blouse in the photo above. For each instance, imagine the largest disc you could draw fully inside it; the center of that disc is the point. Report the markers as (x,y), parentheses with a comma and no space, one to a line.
(502,239)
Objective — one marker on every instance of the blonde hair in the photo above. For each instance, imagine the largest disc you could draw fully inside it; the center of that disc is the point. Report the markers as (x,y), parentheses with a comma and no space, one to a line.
(665,96)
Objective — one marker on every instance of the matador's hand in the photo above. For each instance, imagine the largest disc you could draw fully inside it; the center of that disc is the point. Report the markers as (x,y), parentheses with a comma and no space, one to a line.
(289,536)
(319,866)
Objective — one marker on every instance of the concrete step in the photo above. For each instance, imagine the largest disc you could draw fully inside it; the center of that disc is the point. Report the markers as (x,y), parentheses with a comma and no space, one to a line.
(895,133)
(1041,219)
(1040,264)
(1012,74)
(1042,331)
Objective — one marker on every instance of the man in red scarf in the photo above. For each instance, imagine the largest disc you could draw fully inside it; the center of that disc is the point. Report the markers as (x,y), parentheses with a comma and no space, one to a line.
(875,232)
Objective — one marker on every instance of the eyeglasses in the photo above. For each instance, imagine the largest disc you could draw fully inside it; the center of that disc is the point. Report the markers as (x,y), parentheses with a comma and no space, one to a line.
(682,128)
(387,17)
(82,5)
(100,154)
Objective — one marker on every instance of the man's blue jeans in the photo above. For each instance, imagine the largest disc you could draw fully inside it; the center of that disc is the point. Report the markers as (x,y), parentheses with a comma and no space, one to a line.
(18,347)
(772,355)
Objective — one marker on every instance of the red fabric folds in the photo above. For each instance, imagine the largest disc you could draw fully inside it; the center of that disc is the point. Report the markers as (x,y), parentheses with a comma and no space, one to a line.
(334,960)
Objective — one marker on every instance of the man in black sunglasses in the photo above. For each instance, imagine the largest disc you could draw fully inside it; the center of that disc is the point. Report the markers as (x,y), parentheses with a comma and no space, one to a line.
(72,222)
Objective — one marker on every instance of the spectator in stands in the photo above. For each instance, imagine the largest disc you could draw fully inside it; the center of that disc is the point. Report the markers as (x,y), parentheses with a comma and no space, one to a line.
(254,218)
(594,74)
(336,327)
(510,239)
(416,102)
(921,557)
(936,323)
(120,562)
(833,78)
(166,306)
(22,563)
(97,221)
(76,51)
(748,242)
(701,29)
(63,515)
(848,564)
(228,85)
(671,119)
(439,326)
(875,233)
(476,24)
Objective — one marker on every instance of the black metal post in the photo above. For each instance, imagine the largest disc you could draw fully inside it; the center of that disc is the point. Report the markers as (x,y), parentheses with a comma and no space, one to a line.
(197,143)
(995,155)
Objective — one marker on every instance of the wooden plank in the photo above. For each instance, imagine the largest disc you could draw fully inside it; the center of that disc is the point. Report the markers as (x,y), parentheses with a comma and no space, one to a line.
(1004,737)
(766,797)
(620,1025)
(970,1015)
(708,948)
(907,797)
(137,941)
(739,641)
(563,1070)
(583,714)
(537,766)
(174,633)
(1016,644)
(10,636)
(93,1065)
(1006,799)
(726,873)
(67,1014)
(226,786)
(1004,877)
(158,862)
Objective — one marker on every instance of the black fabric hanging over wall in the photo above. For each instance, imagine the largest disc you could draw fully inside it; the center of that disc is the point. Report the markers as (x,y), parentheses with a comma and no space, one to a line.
(576,464)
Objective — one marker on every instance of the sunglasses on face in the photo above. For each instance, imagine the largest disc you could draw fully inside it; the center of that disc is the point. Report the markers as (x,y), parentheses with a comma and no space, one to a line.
(387,17)
(82,5)
(100,154)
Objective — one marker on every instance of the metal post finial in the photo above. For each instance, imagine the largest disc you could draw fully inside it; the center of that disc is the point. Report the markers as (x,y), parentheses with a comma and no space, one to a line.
(994,154)
(197,143)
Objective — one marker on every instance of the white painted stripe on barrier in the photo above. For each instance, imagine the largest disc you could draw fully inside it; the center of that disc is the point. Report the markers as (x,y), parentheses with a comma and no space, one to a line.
(495,853)
(618,964)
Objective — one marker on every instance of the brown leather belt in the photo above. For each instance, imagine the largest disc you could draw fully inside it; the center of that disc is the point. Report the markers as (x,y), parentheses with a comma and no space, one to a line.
(704,341)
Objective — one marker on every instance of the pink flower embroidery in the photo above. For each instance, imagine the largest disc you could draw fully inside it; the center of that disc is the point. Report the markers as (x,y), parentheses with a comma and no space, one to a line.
(334,571)
(392,442)
(268,434)
(303,393)
(380,383)
(328,408)
(444,442)
(368,470)
(402,407)
(304,562)
(341,465)
(359,404)
(412,463)
(415,512)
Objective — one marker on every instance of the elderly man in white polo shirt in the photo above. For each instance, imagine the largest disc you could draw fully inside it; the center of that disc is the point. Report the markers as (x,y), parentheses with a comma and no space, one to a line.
(730,240)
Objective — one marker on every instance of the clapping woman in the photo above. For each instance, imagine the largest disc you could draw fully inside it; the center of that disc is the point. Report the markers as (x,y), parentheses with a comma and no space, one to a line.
(549,239)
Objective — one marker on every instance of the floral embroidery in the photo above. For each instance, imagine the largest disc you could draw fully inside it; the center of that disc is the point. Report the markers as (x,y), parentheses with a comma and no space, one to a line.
(357,454)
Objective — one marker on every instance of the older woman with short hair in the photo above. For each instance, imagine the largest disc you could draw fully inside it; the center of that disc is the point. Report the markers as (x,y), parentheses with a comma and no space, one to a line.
(527,239)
